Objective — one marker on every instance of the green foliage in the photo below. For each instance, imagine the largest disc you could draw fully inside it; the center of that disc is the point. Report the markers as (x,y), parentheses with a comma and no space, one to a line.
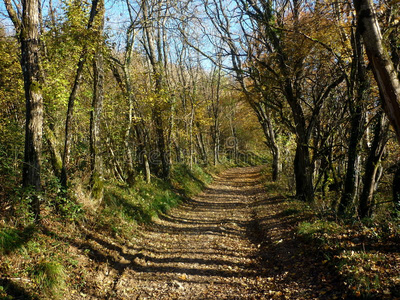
(11,116)
(61,202)
(318,228)
(9,240)
(12,238)
(21,203)
(189,181)
(124,206)
(71,210)
(357,267)
(50,277)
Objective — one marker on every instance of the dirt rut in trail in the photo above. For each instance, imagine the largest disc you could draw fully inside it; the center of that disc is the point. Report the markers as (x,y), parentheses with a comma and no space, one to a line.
(229,242)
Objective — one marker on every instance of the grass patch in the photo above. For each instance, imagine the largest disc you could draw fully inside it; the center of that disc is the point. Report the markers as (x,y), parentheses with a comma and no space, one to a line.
(319,229)
(50,278)
(124,206)
(189,181)
(12,238)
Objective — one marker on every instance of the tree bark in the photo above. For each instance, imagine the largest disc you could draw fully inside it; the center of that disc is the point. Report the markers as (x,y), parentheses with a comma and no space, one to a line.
(396,189)
(95,139)
(71,100)
(96,163)
(156,61)
(371,168)
(303,173)
(382,65)
(349,192)
(358,86)
(30,63)
(269,132)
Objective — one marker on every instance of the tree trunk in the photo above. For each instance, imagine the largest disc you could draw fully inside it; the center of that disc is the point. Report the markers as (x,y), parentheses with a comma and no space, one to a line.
(276,164)
(396,189)
(147,168)
(216,141)
(34,100)
(371,168)
(71,101)
(382,65)
(127,140)
(358,85)
(349,192)
(164,155)
(270,136)
(56,159)
(150,32)
(95,114)
(303,173)
(303,170)
(96,163)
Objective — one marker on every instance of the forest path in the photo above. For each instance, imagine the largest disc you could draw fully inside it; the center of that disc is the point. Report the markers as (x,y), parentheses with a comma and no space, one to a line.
(230,242)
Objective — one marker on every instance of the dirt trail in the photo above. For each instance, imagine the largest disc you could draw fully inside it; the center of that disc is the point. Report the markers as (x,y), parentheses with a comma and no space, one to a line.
(230,242)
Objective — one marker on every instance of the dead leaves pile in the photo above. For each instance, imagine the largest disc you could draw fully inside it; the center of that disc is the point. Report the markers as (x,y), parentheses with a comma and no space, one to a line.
(366,257)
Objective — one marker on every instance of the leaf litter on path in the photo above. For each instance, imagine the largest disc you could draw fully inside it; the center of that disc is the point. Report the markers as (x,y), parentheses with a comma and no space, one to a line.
(229,242)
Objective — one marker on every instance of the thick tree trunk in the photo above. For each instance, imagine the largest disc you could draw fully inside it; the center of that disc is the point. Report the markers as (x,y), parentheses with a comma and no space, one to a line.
(384,72)
(276,164)
(147,168)
(34,101)
(303,173)
(382,66)
(303,168)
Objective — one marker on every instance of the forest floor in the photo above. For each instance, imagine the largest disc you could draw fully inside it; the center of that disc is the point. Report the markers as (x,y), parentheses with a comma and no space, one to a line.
(232,241)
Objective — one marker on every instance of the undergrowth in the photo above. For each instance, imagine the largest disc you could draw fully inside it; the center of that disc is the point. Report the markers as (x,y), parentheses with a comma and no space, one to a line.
(38,261)
(363,252)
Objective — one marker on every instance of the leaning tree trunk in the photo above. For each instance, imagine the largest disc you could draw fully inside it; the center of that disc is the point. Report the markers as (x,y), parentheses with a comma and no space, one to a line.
(71,101)
(384,72)
(382,65)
